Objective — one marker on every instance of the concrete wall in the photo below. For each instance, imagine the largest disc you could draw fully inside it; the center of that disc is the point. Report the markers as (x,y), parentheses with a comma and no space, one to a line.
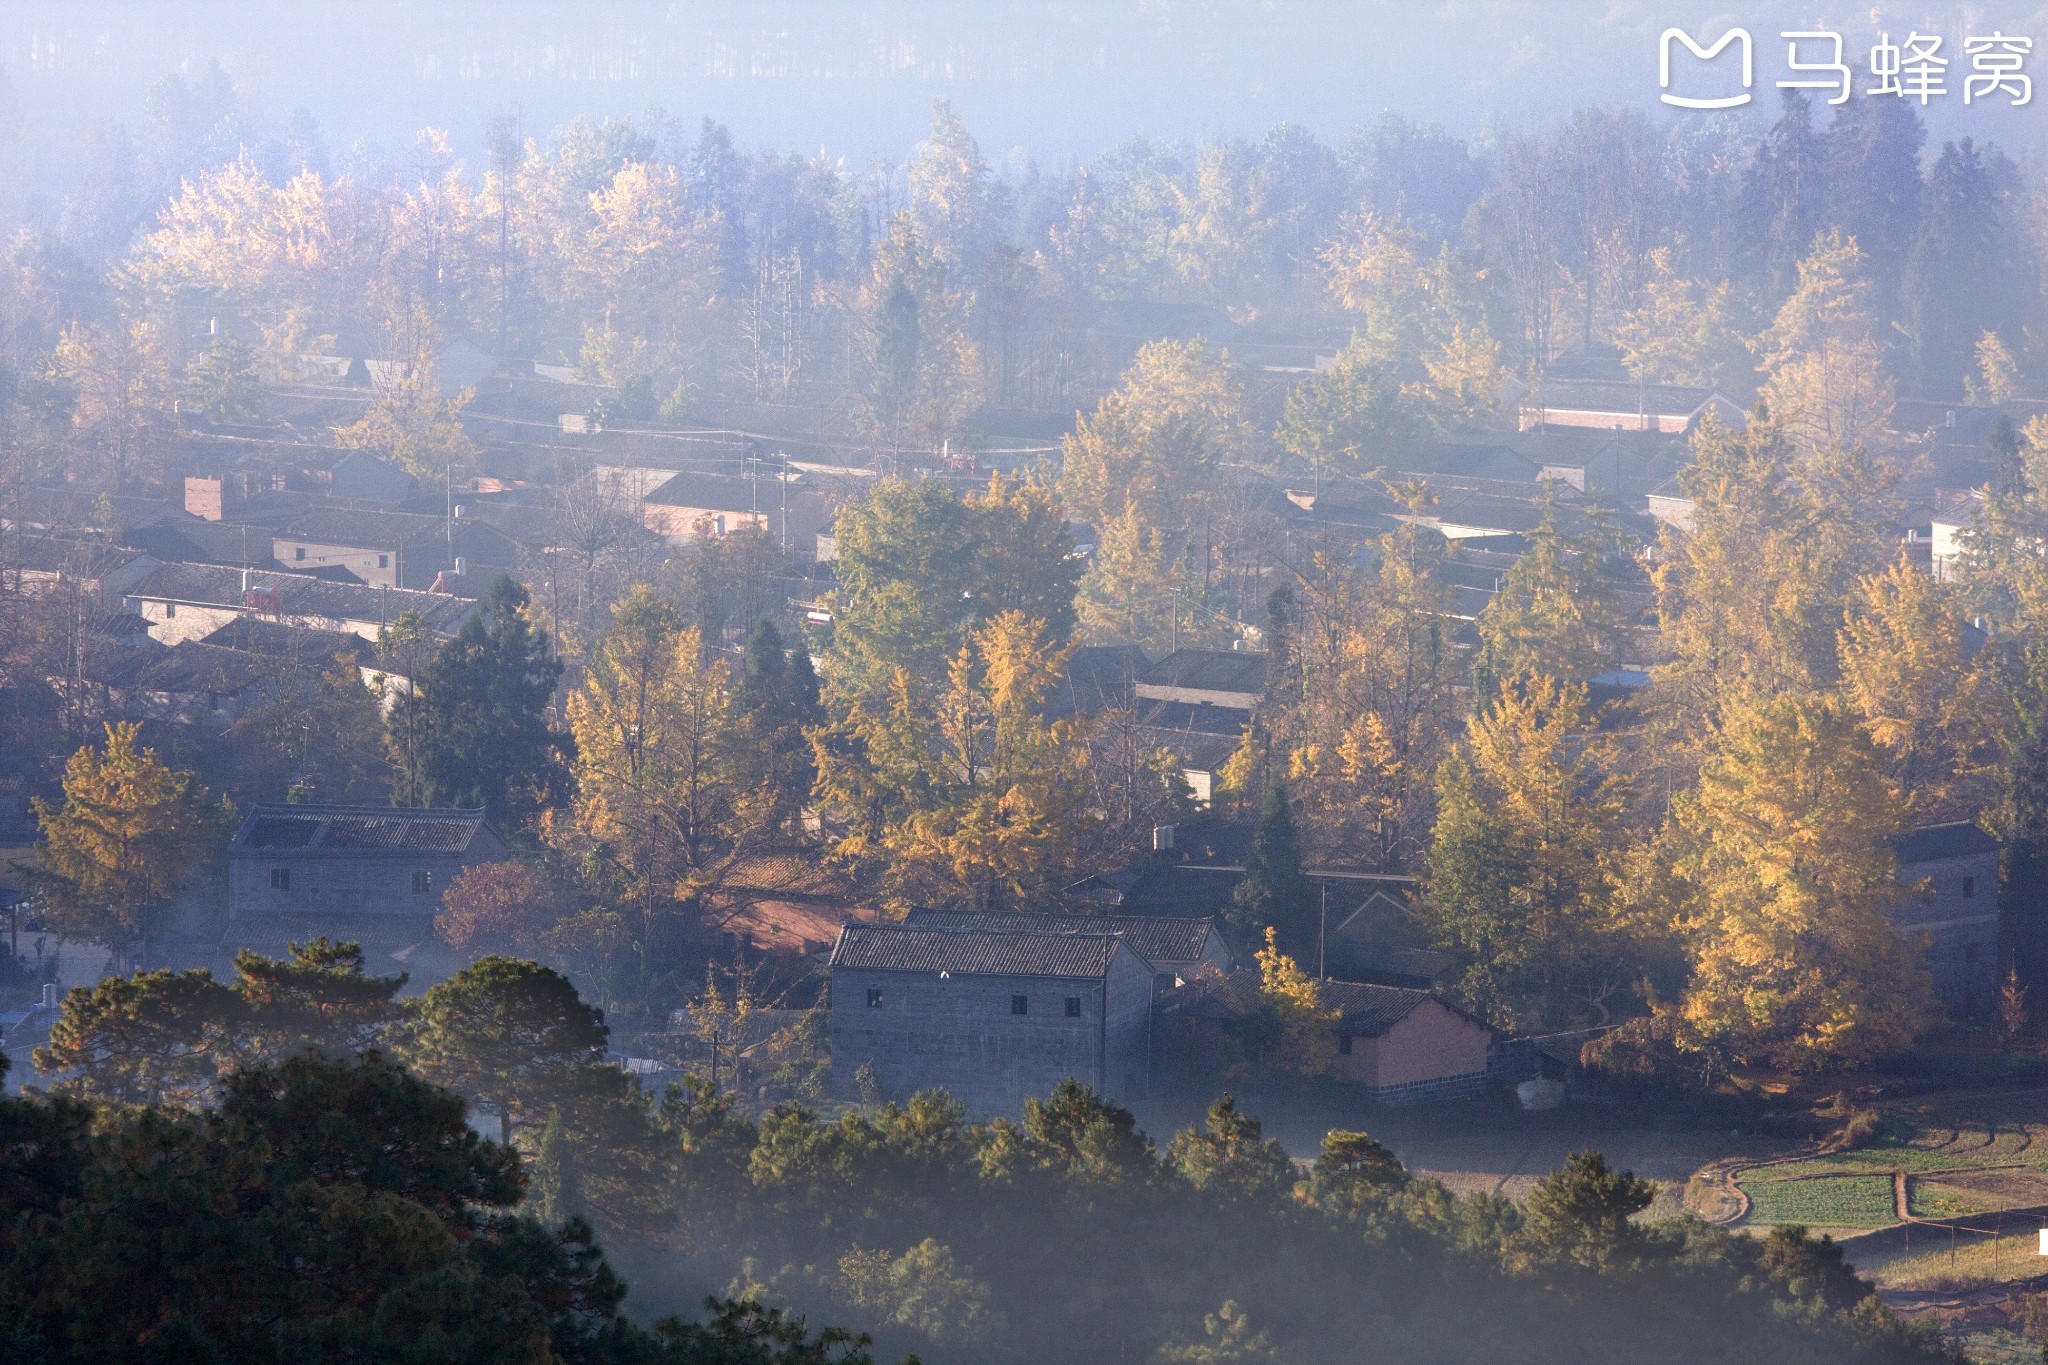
(959,1034)
(1945,547)
(1128,1038)
(683,523)
(376,885)
(170,622)
(98,702)
(1674,512)
(1958,911)
(1196,696)
(1668,422)
(363,562)
(1433,1043)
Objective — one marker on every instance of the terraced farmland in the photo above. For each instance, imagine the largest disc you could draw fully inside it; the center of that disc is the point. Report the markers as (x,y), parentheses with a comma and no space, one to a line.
(1955,1159)
(1822,1201)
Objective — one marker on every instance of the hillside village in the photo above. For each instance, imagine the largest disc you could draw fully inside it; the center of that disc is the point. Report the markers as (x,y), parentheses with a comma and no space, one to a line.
(1258,621)
(258,560)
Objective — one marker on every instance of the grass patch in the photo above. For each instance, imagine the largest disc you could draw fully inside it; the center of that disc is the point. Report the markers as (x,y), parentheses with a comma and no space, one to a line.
(1871,1160)
(1973,1261)
(1932,1199)
(1829,1201)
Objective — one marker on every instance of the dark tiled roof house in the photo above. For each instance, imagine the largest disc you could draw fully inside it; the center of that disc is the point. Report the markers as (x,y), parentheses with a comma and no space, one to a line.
(370,873)
(990,1016)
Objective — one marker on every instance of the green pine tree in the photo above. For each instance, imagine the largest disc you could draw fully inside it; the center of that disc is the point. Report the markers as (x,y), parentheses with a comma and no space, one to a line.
(1275,892)
(778,699)
(480,715)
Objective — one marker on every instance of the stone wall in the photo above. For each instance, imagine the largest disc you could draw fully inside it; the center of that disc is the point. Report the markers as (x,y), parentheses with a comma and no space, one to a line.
(381,885)
(1957,909)
(960,1034)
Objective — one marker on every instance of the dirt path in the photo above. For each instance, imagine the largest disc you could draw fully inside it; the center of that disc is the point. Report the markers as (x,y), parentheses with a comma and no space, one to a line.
(1911,1302)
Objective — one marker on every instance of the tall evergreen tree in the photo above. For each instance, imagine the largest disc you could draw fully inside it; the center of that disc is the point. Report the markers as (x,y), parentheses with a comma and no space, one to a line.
(1275,892)
(2007,472)
(484,702)
(1873,186)
(1959,279)
(1783,199)
(778,700)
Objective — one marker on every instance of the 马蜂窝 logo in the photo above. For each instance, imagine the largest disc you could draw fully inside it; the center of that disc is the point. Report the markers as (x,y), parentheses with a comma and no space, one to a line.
(1705,54)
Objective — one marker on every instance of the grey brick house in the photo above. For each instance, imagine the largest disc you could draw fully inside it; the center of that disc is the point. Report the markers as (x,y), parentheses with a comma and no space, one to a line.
(992,1016)
(374,874)
(1955,868)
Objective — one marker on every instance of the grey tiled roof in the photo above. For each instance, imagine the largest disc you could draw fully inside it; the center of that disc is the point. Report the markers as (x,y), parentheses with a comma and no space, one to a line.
(717,492)
(355,830)
(964,952)
(1606,395)
(301,595)
(1194,718)
(1159,940)
(1934,842)
(1370,1010)
(254,635)
(1218,670)
(1098,677)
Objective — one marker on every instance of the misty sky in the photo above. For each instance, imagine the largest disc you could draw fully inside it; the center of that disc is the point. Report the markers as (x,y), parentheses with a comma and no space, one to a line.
(1051,81)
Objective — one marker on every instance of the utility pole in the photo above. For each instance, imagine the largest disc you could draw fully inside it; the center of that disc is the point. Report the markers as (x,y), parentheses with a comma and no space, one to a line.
(1323,935)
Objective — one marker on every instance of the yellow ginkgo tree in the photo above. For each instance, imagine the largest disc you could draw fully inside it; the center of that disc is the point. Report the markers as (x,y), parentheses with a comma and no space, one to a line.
(1786,856)
(130,835)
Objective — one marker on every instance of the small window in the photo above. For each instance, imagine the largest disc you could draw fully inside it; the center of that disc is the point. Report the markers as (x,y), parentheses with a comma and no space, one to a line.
(422,882)
(280,879)
(1073,1007)
(383,561)
(1020,1004)
(1969,888)
(299,552)
(170,610)
(1344,1044)
(874,998)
